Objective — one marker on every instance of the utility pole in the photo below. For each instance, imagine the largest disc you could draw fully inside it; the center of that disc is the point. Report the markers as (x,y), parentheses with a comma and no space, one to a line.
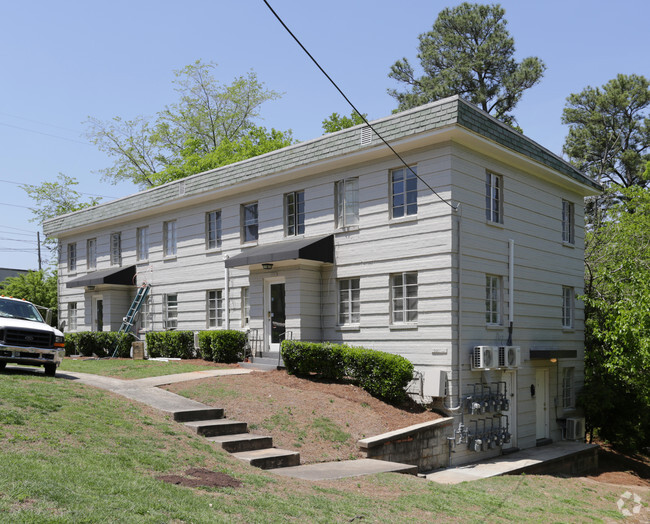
(38,242)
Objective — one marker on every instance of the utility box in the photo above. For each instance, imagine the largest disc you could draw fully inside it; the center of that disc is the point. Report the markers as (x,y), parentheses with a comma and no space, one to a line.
(137,350)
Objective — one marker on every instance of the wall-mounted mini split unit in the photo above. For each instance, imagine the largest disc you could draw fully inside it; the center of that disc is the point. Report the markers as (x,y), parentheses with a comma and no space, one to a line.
(509,357)
(575,428)
(485,357)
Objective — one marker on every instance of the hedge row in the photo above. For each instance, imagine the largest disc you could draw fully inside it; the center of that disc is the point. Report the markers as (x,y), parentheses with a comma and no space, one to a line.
(224,345)
(98,343)
(171,344)
(383,375)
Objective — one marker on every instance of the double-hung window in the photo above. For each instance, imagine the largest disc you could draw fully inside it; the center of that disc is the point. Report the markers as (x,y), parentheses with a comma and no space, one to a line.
(214,299)
(493,300)
(72,256)
(116,249)
(404,298)
(568,397)
(171,311)
(568,300)
(213,230)
(169,238)
(294,212)
(349,301)
(142,239)
(249,222)
(568,222)
(72,316)
(494,198)
(404,192)
(91,253)
(347,202)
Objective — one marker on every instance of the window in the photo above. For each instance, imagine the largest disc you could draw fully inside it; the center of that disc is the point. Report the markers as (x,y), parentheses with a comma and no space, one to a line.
(404,192)
(171,311)
(91,253)
(568,222)
(215,308)
(249,222)
(493,294)
(72,316)
(169,238)
(347,202)
(404,298)
(213,230)
(116,249)
(142,239)
(294,211)
(568,297)
(144,317)
(349,301)
(72,257)
(494,198)
(568,399)
(245,308)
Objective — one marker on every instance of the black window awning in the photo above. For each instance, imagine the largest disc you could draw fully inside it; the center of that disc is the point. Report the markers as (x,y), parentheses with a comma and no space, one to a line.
(319,249)
(549,353)
(120,276)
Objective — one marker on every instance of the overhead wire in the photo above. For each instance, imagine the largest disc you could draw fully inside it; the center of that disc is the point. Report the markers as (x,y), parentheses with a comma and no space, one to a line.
(441,198)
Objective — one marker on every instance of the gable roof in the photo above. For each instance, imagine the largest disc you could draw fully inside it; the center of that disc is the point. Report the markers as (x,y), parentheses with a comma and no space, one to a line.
(447,112)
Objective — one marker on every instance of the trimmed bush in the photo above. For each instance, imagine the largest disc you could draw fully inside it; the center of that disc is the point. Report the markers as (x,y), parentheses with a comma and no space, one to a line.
(383,375)
(99,343)
(170,344)
(224,345)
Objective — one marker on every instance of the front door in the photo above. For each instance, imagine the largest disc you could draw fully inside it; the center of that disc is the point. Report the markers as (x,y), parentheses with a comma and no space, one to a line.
(541,404)
(275,325)
(98,314)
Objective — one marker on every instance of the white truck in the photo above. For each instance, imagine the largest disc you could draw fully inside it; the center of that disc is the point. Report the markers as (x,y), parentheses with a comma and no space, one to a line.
(25,338)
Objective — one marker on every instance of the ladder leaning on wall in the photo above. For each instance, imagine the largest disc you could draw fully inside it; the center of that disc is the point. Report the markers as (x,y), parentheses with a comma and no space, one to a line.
(129,320)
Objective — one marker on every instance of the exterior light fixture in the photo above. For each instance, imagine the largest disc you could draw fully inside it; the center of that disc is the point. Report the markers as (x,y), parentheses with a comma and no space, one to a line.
(267,266)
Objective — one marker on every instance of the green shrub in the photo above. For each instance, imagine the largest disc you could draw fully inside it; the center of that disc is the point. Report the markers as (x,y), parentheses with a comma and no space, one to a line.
(383,375)
(170,344)
(98,343)
(224,345)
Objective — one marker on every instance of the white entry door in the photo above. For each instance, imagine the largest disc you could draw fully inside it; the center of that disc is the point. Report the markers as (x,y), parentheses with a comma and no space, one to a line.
(97,313)
(542,407)
(275,318)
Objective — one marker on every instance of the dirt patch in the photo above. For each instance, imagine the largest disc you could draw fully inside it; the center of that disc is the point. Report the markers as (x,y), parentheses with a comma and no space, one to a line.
(616,468)
(202,478)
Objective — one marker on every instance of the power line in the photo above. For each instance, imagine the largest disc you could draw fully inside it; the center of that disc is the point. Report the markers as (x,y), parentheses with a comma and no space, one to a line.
(356,110)
(39,122)
(45,134)
(14,205)
(80,192)
(20,229)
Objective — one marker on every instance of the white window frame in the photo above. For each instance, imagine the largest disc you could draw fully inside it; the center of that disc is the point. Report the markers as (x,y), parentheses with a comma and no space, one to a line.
(213,229)
(144,315)
(72,316)
(245,306)
(494,198)
(404,304)
(346,193)
(250,223)
(568,388)
(72,257)
(214,308)
(568,222)
(142,239)
(349,303)
(568,307)
(170,320)
(116,249)
(294,213)
(493,300)
(169,239)
(91,253)
(403,185)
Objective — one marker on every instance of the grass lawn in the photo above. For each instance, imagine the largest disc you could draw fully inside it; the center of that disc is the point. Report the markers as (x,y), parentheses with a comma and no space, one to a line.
(71,453)
(128,369)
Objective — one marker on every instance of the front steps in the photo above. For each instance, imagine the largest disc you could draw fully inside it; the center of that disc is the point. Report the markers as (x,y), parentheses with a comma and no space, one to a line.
(267,362)
(234,438)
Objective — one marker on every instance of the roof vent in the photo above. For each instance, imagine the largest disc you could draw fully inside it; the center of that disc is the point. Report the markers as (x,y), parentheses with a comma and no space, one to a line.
(366,135)
(181,188)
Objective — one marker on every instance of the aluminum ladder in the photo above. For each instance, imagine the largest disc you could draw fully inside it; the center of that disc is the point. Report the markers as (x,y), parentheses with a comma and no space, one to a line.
(129,320)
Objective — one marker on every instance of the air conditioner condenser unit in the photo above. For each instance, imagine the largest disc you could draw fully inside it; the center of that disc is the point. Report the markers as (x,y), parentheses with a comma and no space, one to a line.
(575,428)
(509,357)
(484,357)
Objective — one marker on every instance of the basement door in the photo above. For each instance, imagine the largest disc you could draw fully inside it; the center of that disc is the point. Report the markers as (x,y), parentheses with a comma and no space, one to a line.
(541,404)
(275,319)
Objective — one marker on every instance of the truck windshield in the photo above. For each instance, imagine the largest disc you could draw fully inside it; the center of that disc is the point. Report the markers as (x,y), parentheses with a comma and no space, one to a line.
(21,310)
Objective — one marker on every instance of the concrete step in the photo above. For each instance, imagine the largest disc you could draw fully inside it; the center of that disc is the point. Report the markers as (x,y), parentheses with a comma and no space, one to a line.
(259,367)
(242,442)
(215,427)
(270,458)
(190,415)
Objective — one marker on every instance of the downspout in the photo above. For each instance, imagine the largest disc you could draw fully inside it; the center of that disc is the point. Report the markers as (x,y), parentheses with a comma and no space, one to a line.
(226,298)
(511,290)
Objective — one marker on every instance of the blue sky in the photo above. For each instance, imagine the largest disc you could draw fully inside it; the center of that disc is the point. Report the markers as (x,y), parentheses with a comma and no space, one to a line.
(64,61)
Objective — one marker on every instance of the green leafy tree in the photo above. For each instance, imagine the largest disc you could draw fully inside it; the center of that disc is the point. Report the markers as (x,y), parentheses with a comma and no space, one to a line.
(617,306)
(39,287)
(336,122)
(609,131)
(468,52)
(206,115)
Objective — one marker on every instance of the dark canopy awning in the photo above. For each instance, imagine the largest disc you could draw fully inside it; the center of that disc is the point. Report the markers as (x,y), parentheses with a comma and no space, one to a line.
(320,249)
(121,276)
(549,353)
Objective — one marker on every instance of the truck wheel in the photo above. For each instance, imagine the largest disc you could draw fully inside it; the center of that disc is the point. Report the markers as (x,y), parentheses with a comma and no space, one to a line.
(50,370)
